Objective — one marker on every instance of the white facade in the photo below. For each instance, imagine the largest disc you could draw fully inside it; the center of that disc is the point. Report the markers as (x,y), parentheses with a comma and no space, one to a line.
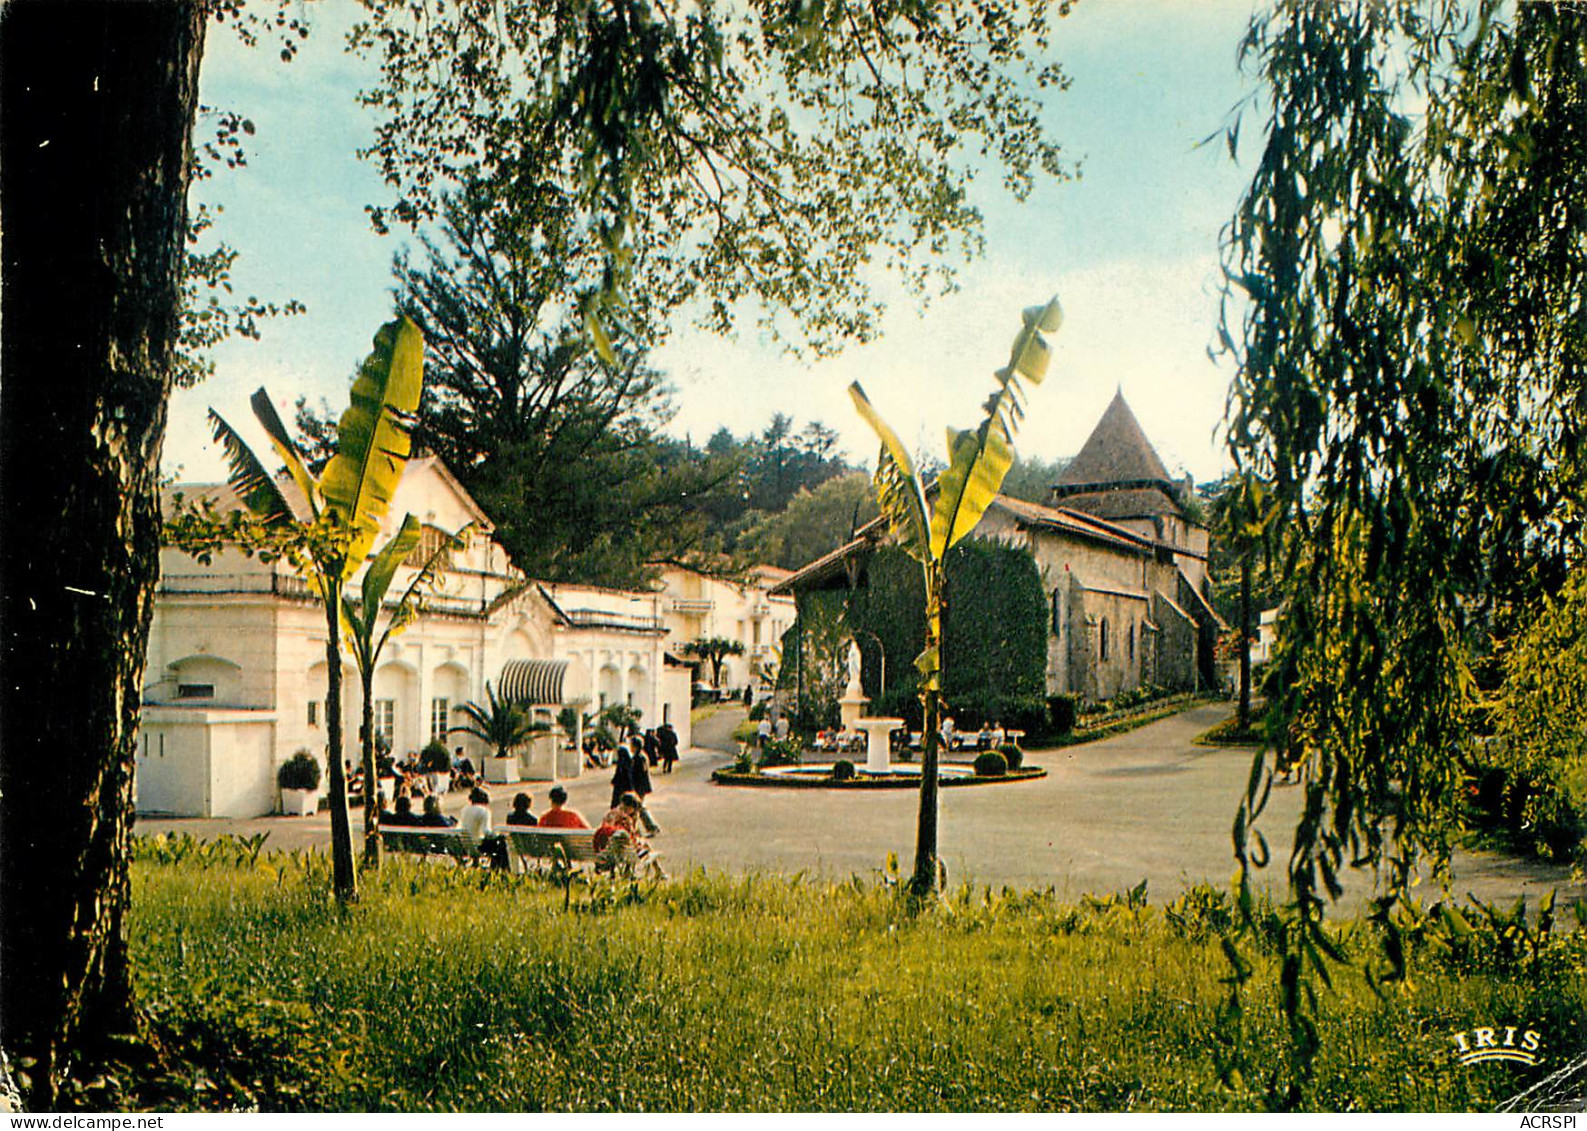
(693,606)
(235,679)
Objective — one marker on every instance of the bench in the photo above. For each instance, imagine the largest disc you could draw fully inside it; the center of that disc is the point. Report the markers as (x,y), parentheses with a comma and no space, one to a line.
(454,843)
(526,843)
(618,857)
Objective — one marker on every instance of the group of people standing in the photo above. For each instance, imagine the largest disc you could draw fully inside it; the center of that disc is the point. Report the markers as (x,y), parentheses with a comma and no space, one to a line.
(631,773)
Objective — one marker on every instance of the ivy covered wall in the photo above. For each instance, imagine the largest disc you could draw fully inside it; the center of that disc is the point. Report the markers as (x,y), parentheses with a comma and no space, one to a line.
(994,637)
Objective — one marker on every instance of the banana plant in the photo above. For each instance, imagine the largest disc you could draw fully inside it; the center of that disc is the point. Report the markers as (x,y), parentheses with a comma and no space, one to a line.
(346,504)
(978,459)
(365,640)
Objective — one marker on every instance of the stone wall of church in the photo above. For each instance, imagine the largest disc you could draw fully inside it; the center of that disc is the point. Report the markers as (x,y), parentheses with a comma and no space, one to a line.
(1176,645)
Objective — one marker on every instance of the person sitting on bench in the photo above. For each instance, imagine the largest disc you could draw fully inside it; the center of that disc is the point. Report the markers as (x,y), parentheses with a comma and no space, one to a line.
(402,816)
(560,817)
(520,814)
(432,817)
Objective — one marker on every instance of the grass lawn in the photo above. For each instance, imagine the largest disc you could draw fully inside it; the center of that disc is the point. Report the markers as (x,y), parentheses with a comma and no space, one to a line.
(449,988)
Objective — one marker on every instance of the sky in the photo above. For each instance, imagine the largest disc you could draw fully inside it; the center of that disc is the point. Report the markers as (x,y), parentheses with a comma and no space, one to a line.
(1130,248)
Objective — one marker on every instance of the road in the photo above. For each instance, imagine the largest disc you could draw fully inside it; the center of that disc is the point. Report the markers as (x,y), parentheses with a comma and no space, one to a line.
(1144,805)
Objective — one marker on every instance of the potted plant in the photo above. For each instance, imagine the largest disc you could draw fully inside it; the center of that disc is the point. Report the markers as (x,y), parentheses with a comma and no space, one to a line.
(437,763)
(299,779)
(505,726)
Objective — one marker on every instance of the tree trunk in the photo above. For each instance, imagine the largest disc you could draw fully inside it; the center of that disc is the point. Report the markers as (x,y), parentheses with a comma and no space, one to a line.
(1245,643)
(366,738)
(343,877)
(924,881)
(98,102)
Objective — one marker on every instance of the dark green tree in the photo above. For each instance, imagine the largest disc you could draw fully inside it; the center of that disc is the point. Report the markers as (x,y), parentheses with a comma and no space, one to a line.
(558,444)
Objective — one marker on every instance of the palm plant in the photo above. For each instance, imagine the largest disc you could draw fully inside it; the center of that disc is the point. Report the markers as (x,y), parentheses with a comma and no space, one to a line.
(713,650)
(346,503)
(498,722)
(977,462)
(360,625)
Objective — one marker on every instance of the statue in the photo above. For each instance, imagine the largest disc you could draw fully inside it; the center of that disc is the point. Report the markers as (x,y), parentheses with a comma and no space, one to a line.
(853,690)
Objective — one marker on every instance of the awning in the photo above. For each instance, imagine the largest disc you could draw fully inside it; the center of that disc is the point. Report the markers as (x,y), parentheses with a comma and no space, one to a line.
(532,681)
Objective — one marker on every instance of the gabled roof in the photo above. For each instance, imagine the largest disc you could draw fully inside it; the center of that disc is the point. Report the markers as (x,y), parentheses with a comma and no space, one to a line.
(1077,524)
(1032,516)
(1117,451)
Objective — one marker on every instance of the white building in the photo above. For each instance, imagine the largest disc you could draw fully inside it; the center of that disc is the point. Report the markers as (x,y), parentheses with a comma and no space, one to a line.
(695,606)
(235,679)
(1266,638)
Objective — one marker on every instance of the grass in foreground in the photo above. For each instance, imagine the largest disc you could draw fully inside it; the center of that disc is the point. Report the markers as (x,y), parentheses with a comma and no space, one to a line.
(448,988)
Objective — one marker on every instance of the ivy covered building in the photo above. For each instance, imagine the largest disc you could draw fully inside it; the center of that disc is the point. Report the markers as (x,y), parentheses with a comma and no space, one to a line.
(1115,561)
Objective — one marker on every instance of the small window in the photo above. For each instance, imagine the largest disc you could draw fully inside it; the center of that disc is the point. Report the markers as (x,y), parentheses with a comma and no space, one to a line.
(195,691)
(1057,615)
(1103,638)
(1131,641)
(314,712)
(440,711)
(386,721)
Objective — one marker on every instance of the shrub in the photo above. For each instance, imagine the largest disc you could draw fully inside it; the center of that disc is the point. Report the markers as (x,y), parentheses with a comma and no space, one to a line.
(301,771)
(990,764)
(1013,756)
(782,752)
(843,770)
(745,762)
(434,759)
(1061,714)
(621,717)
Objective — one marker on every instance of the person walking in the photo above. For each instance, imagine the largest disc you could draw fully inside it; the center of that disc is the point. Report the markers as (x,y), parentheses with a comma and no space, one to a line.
(639,781)
(667,739)
(622,772)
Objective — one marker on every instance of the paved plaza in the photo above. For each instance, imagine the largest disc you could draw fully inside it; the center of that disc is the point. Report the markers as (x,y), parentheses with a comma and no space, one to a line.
(1144,805)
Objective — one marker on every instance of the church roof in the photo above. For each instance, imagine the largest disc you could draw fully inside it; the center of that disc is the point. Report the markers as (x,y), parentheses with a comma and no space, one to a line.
(1116,452)
(1118,474)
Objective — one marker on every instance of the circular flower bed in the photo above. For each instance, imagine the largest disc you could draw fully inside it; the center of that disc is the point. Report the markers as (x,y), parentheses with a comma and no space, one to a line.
(819,775)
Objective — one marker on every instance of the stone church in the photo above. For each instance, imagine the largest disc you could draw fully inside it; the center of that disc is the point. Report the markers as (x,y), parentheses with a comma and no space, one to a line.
(1123,563)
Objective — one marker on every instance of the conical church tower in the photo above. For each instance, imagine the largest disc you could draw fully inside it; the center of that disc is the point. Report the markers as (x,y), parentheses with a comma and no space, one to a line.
(1118,476)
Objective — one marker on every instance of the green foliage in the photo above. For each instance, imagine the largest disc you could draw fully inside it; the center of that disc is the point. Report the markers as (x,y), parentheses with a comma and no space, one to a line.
(1013,756)
(713,650)
(1405,312)
(843,770)
(990,764)
(815,659)
(1532,775)
(1062,711)
(301,771)
(562,448)
(498,722)
(994,635)
(434,758)
(814,522)
(788,751)
(723,156)
(264,994)
(621,718)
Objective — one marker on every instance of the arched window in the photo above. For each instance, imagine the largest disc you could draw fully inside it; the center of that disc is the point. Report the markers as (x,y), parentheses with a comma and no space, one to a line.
(1103,638)
(1057,615)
